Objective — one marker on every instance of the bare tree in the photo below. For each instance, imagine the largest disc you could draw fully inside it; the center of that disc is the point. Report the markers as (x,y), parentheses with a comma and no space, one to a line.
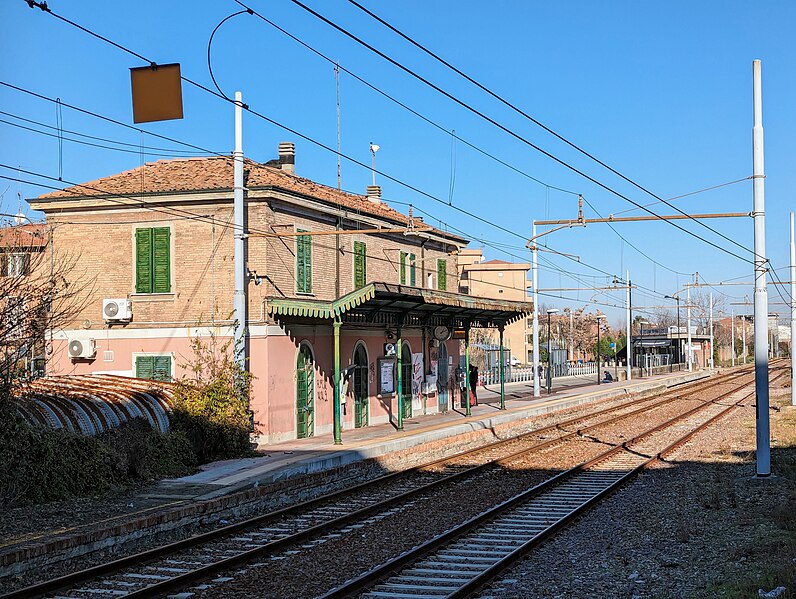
(40,290)
(700,308)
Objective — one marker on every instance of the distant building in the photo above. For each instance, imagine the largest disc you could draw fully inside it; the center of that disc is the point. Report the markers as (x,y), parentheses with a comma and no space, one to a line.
(500,280)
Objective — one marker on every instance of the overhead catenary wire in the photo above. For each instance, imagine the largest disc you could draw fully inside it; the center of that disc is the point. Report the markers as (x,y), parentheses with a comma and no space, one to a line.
(43,6)
(518,111)
(403,105)
(166,151)
(61,138)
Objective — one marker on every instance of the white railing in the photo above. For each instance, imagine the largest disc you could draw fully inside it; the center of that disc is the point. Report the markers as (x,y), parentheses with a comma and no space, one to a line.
(519,374)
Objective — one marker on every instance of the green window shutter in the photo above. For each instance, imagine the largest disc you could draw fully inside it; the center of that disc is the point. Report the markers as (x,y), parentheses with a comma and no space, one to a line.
(161,368)
(360,265)
(304,263)
(161,260)
(144,367)
(442,275)
(143,261)
(403,268)
(412,270)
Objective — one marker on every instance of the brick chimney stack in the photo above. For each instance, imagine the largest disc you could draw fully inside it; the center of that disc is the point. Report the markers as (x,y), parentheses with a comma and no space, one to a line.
(287,157)
(374,194)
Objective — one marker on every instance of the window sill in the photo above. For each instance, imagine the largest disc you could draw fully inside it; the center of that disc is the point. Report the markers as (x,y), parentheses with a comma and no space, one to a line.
(153,297)
(305,294)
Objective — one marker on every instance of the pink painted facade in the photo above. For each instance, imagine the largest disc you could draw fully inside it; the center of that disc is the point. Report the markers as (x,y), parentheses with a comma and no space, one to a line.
(273,358)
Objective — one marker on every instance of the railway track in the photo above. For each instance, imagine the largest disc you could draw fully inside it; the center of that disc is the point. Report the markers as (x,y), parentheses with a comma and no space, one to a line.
(464,559)
(185,562)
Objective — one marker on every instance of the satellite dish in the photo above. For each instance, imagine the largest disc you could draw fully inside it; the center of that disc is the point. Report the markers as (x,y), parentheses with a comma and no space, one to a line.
(374,148)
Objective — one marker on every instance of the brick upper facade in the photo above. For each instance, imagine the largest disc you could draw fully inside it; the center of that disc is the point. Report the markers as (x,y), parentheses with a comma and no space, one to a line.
(192,198)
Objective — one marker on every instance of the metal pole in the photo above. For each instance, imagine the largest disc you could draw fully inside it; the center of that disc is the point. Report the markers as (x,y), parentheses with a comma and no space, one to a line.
(792,314)
(712,365)
(239,293)
(679,340)
(732,334)
(743,333)
(761,294)
(400,378)
(502,375)
(549,358)
(598,351)
(628,341)
(536,382)
(337,412)
(641,340)
(688,352)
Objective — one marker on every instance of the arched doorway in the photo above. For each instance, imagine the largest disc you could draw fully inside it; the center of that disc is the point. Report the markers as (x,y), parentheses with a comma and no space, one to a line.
(305,392)
(361,395)
(442,378)
(406,380)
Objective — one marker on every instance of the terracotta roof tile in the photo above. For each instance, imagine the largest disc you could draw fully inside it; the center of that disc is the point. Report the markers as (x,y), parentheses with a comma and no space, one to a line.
(215,173)
(24,236)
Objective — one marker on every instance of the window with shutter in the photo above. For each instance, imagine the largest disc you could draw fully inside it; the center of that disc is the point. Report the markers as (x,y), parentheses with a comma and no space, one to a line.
(402,268)
(153,368)
(303,263)
(412,271)
(442,275)
(153,260)
(144,367)
(360,265)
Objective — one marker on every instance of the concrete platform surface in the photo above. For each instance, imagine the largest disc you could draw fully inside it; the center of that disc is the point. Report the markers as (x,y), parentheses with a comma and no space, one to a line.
(303,456)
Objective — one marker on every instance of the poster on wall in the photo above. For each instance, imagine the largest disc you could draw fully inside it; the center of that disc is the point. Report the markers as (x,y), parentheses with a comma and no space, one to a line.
(417,379)
(386,376)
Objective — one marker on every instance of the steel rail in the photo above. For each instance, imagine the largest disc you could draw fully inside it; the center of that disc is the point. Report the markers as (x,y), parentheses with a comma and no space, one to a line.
(374,576)
(145,557)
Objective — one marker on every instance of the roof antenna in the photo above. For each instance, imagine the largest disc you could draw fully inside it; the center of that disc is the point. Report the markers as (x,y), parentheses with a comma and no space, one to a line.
(373,149)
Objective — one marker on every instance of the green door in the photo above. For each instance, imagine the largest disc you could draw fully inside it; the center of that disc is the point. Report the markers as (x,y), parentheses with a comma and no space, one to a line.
(305,393)
(442,378)
(361,395)
(406,381)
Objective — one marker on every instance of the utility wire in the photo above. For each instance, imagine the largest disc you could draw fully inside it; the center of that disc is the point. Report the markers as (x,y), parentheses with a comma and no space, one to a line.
(45,8)
(395,100)
(519,137)
(170,151)
(520,112)
(62,138)
(111,120)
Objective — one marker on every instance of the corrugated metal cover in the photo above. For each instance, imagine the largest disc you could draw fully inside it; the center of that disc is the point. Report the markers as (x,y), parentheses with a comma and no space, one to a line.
(91,404)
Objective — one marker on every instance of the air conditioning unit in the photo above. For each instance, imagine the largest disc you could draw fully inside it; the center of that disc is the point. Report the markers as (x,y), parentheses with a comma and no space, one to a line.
(117,310)
(82,349)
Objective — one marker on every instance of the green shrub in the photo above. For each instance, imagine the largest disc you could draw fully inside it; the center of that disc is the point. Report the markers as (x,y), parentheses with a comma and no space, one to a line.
(211,407)
(38,464)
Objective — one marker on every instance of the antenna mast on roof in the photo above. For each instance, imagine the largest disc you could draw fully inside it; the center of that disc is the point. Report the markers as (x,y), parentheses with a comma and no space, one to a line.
(373,149)
(337,89)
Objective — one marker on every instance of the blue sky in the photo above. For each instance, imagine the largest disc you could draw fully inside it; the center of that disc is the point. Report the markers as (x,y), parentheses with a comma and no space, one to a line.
(661,92)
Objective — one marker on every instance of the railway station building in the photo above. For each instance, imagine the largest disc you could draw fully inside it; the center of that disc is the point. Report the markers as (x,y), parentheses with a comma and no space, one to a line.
(344,294)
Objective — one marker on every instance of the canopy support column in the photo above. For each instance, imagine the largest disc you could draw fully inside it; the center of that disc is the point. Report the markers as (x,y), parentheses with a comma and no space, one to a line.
(337,415)
(502,374)
(467,368)
(398,352)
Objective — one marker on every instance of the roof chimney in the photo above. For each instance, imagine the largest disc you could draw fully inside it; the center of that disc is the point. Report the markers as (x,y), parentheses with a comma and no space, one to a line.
(287,157)
(374,194)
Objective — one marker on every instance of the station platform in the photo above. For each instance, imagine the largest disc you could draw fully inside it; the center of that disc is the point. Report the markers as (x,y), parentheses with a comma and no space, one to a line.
(305,467)
(298,457)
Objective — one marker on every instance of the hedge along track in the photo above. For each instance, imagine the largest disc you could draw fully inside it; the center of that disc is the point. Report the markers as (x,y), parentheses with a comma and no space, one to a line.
(464,559)
(139,575)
